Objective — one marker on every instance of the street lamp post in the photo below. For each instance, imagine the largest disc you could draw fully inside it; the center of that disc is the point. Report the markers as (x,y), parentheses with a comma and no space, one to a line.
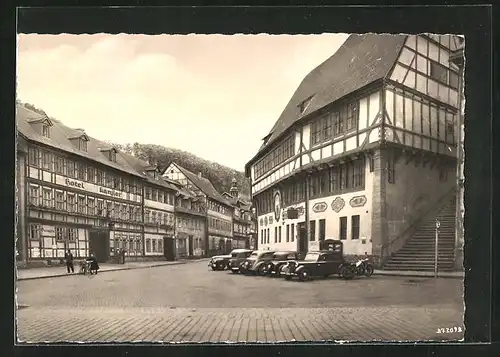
(438,224)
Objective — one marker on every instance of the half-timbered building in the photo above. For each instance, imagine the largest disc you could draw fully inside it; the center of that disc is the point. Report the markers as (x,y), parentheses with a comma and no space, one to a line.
(365,151)
(219,211)
(242,217)
(191,221)
(75,192)
(157,211)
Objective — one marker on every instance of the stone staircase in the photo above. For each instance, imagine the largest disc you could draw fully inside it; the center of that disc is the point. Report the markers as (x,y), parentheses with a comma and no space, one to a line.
(418,253)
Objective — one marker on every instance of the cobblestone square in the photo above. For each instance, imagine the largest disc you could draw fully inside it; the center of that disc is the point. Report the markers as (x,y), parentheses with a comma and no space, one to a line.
(189,303)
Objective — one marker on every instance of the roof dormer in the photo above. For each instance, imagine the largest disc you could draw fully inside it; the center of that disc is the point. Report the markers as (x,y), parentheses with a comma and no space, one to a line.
(42,125)
(154,171)
(304,104)
(110,153)
(266,138)
(79,139)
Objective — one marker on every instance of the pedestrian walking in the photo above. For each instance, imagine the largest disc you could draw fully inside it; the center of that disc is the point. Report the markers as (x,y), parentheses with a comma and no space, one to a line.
(69,261)
(122,253)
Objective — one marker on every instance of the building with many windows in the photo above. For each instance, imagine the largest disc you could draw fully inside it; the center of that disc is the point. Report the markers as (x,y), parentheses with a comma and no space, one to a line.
(365,150)
(74,192)
(191,217)
(219,211)
(243,224)
(158,209)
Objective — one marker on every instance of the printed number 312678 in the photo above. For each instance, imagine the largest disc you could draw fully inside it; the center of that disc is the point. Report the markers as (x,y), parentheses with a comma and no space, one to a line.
(449,329)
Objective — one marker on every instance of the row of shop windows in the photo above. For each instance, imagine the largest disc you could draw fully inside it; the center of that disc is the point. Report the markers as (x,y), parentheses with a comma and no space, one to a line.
(81,203)
(219,224)
(62,234)
(154,194)
(154,245)
(282,152)
(82,171)
(158,217)
(319,234)
(345,177)
(190,223)
(130,242)
(335,123)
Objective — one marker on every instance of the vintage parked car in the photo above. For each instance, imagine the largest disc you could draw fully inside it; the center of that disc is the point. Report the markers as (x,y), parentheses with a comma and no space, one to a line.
(273,267)
(323,263)
(238,256)
(219,262)
(249,266)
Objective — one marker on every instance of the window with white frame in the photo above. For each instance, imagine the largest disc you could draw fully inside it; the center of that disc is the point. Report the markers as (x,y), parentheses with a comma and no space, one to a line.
(47,161)
(60,200)
(34,195)
(35,231)
(47,197)
(91,206)
(71,202)
(60,234)
(46,130)
(72,234)
(81,204)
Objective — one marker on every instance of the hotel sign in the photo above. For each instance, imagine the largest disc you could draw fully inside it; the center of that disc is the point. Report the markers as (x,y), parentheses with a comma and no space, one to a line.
(90,187)
(109,192)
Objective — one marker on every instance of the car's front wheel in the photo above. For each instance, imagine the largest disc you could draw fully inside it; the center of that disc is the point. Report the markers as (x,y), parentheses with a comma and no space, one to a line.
(303,275)
(263,270)
(288,277)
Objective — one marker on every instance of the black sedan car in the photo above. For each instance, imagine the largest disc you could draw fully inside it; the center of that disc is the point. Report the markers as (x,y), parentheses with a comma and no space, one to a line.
(273,267)
(238,256)
(251,265)
(318,264)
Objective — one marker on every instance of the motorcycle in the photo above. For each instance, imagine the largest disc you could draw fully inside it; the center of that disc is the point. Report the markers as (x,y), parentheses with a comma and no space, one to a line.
(364,267)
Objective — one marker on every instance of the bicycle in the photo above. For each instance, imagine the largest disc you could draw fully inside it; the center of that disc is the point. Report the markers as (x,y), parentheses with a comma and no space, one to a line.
(85,268)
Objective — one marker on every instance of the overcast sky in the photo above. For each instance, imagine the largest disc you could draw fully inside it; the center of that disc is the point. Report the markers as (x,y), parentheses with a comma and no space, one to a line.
(212,95)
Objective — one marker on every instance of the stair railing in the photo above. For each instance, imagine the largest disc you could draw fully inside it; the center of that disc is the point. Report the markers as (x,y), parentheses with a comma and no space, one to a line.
(412,228)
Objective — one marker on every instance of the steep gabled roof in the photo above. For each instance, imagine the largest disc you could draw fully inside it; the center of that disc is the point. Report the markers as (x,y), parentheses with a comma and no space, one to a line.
(59,139)
(204,185)
(361,60)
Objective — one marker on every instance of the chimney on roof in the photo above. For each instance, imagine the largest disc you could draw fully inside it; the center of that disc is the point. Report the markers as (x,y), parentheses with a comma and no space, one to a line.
(234,188)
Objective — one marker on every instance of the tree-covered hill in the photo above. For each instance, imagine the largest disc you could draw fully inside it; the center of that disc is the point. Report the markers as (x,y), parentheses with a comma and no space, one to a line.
(219,175)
